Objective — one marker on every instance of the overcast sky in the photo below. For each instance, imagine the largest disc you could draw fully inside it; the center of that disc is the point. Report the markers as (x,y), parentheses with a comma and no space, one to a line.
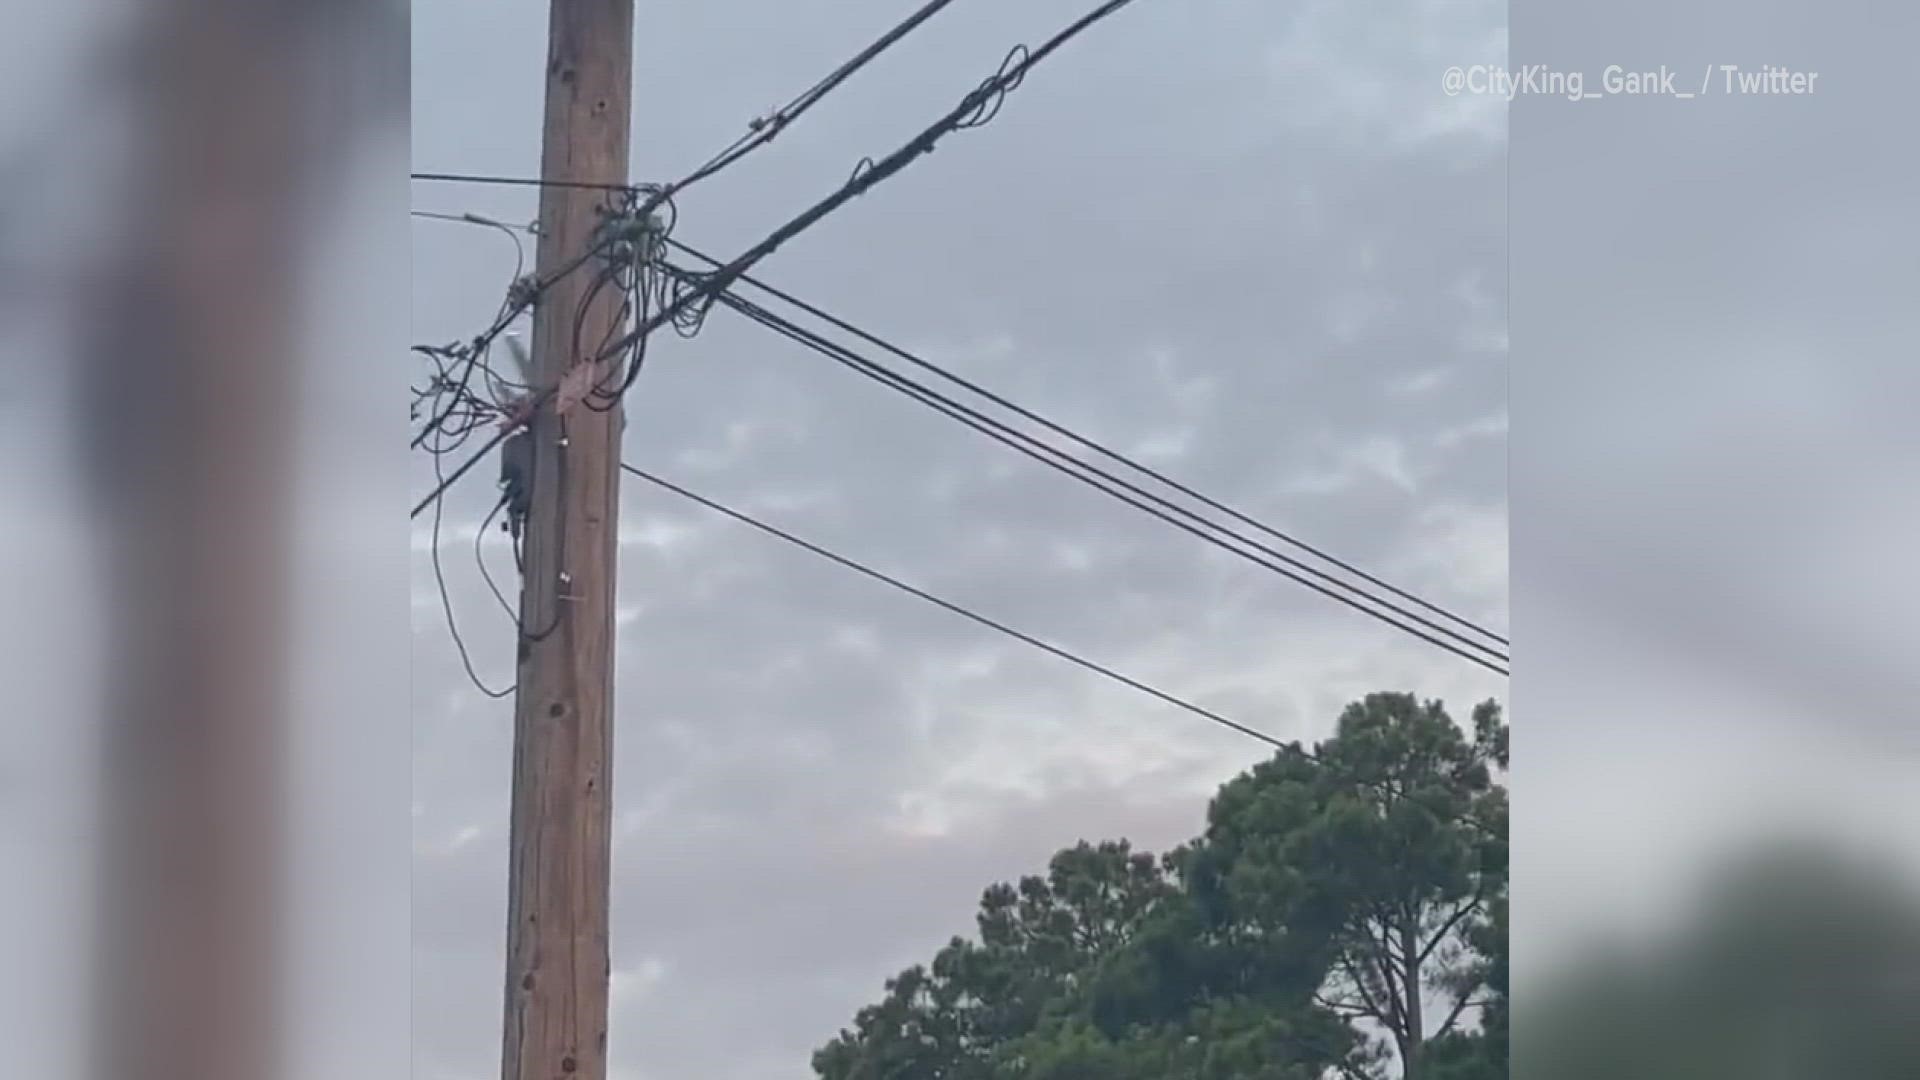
(1713,504)
(1250,242)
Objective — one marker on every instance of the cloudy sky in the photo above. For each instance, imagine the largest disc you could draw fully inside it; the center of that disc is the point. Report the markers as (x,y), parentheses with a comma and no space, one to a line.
(1713,338)
(1252,243)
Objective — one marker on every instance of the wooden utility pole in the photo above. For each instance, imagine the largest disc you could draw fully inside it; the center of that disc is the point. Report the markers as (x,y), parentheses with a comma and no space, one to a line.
(560,847)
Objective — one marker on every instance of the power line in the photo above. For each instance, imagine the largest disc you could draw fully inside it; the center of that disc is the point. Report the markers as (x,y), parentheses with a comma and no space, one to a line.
(1108,484)
(512,181)
(1097,447)
(764,129)
(948,605)
(976,108)
(1293,749)
(760,132)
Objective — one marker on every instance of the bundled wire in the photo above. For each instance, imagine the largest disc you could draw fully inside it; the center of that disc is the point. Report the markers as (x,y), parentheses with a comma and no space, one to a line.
(1152,503)
(466,389)
(689,304)
(1480,638)
(465,392)
(454,404)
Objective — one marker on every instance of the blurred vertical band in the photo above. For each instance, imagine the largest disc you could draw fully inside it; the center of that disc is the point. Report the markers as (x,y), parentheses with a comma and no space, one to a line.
(171,219)
(1714,342)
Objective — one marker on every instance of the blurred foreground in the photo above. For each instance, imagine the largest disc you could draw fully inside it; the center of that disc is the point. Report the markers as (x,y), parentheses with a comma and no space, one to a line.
(200,230)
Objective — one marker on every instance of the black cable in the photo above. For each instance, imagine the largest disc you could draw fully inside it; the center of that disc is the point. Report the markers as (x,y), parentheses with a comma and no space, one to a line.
(967,113)
(559,449)
(764,130)
(1293,749)
(474,351)
(514,181)
(956,609)
(447,481)
(1108,484)
(639,301)
(760,132)
(446,606)
(1104,451)
(480,560)
(510,310)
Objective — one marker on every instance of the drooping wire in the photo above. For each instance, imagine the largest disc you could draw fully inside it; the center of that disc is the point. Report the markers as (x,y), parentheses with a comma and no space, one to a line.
(480,560)
(1293,749)
(1128,493)
(466,411)
(948,605)
(446,607)
(512,232)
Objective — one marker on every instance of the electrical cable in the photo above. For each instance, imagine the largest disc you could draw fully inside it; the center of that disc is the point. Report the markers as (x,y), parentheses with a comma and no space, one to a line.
(979,106)
(760,132)
(763,130)
(1108,484)
(1096,447)
(514,181)
(948,605)
(457,389)
(973,110)
(480,560)
(446,606)
(1292,749)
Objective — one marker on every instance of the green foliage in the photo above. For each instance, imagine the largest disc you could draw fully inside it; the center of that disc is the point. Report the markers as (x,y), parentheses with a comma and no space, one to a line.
(1483,1054)
(1325,889)
(1389,849)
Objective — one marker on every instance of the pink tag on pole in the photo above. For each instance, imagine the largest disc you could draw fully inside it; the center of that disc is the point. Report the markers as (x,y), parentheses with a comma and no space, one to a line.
(574,387)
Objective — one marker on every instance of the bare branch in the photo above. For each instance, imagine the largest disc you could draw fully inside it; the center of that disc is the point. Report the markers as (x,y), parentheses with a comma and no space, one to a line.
(1466,1002)
(1347,1009)
(1453,920)
(1360,985)
(1397,1008)
(1378,930)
